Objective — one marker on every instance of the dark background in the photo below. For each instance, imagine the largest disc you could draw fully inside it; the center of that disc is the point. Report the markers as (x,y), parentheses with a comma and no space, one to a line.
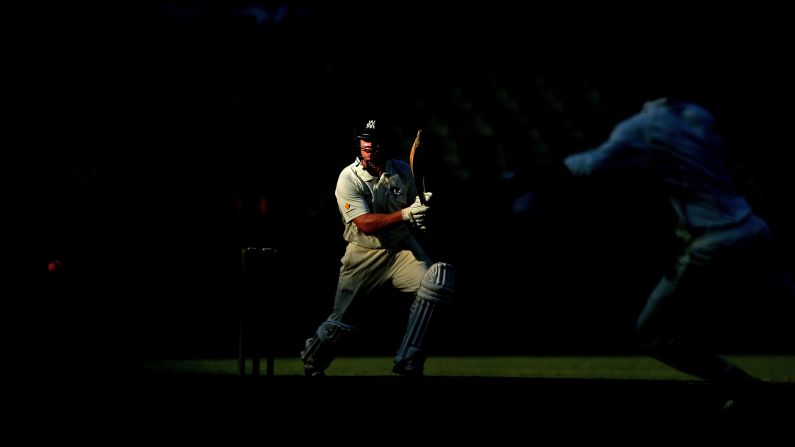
(167,137)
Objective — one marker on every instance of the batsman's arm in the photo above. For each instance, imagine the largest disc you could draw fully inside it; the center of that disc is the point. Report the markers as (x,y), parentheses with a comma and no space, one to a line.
(373,222)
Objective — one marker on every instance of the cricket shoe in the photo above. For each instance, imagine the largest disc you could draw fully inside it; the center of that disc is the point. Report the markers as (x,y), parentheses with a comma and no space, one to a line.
(310,371)
(409,368)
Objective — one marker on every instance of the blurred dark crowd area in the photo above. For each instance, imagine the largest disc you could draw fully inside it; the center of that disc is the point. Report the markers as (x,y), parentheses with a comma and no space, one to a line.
(170,136)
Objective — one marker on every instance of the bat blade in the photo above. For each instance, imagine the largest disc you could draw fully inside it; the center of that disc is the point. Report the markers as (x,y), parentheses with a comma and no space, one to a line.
(414,147)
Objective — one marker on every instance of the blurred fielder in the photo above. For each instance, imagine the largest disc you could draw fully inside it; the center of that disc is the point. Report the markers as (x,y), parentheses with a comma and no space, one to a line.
(676,143)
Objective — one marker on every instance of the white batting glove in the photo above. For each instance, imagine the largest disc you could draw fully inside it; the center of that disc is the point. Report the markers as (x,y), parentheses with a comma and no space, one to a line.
(416,214)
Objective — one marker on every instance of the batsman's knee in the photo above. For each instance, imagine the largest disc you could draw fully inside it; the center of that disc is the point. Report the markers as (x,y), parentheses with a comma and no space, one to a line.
(438,284)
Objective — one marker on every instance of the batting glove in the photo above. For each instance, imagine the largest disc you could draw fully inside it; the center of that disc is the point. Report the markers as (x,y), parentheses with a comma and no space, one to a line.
(416,214)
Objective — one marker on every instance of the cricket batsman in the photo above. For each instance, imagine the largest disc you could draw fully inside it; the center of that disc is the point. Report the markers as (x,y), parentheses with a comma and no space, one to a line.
(380,207)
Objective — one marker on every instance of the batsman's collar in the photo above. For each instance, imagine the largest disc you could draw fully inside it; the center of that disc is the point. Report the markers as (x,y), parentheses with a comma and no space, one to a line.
(366,176)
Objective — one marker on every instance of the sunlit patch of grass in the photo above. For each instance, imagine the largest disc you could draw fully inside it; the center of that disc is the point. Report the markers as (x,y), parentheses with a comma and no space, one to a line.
(775,368)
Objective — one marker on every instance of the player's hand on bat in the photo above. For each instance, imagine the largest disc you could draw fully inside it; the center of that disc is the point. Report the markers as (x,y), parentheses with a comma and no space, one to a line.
(416,214)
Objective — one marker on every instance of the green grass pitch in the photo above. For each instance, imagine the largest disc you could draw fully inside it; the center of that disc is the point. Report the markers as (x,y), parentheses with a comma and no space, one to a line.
(773,368)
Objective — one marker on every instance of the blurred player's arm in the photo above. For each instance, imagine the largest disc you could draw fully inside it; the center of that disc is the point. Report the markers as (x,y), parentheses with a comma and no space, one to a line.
(540,176)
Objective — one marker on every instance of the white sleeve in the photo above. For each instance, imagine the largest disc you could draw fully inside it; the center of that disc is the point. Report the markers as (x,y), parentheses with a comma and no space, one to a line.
(351,196)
